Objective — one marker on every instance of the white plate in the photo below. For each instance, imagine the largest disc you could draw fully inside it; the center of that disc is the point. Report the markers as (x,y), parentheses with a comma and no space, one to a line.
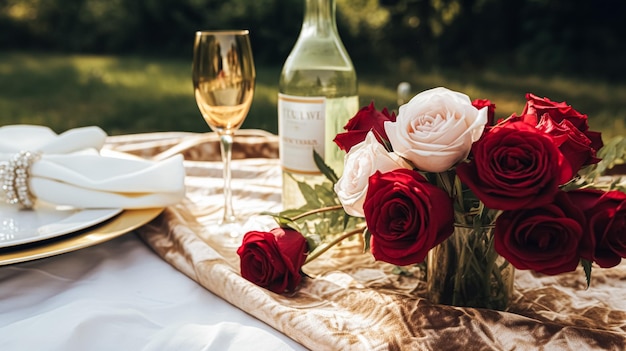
(19,227)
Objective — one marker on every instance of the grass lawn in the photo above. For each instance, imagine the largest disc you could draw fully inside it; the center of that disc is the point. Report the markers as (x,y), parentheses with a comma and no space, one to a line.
(137,94)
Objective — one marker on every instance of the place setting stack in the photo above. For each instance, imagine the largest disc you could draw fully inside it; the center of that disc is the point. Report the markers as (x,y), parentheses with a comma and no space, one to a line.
(54,185)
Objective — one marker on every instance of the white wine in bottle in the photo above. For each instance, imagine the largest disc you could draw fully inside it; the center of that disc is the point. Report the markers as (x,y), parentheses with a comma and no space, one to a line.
(317,96)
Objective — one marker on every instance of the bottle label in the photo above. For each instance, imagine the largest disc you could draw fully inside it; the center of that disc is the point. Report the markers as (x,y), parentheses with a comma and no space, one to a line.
(301,127)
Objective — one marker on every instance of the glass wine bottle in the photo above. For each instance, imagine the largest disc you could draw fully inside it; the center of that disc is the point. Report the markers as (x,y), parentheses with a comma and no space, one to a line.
(317,96)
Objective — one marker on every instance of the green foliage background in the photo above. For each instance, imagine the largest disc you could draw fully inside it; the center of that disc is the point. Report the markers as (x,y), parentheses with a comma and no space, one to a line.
(125,64)
(556,36)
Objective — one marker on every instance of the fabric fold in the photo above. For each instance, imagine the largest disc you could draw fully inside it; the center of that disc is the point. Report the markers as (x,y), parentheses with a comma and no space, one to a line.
(16,138)
(69,170)
(351,302)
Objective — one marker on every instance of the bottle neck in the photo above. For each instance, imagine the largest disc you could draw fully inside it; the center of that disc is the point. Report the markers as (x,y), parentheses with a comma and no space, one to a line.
(319,18)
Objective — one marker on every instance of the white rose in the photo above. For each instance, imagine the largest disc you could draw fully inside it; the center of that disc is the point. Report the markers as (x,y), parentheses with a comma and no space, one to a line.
(436,129)
(363,160)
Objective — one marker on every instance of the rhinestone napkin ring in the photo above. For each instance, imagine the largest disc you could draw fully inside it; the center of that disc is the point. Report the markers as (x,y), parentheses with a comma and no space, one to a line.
(14,176)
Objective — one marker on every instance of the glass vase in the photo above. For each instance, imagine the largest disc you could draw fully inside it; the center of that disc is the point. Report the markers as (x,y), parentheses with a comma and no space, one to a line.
(466,271)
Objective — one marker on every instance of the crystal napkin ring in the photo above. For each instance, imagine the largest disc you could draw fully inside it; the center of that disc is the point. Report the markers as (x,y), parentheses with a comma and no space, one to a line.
(14,176)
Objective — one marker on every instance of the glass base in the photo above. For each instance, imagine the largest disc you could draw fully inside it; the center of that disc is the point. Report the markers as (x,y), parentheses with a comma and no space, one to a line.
(229,233)
(466,271)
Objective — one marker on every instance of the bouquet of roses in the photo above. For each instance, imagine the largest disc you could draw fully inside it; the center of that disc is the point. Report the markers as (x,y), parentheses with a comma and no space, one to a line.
(445,161)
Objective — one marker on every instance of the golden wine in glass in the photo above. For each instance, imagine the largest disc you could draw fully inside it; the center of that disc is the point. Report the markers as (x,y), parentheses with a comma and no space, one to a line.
(223,79)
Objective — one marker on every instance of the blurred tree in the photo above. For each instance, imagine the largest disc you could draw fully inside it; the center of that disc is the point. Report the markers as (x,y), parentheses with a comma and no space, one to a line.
(558,36)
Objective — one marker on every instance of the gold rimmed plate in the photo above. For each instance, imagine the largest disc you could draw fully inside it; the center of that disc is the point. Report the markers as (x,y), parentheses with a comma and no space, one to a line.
(121,224)
(18,227)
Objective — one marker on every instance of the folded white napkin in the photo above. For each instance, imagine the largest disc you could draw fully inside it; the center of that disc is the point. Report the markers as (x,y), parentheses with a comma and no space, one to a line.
(23,137)
(71,171)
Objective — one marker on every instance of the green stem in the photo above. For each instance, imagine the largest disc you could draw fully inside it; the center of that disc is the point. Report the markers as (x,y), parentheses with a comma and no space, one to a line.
(334,242)
(460,244)
(491,263)
(316,211)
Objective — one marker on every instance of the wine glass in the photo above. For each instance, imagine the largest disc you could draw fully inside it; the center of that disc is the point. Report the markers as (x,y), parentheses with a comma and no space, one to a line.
(223,79)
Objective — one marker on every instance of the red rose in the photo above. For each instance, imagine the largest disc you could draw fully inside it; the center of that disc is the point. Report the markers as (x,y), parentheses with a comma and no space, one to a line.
(406,215)
(514,166)
(545,239)
(559,111)
(573,144)
(273,259)
(491,109)
(606,223)
(366,119)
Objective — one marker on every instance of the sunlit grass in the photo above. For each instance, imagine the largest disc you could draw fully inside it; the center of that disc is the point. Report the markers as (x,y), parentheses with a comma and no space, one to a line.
(134,94)
(604,103)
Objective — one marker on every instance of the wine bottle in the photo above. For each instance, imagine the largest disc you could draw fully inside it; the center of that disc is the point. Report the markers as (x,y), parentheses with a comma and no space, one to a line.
(317,96)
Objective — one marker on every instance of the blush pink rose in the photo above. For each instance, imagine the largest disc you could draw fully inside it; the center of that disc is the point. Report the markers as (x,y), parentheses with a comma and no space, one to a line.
(436,129)
(363,160)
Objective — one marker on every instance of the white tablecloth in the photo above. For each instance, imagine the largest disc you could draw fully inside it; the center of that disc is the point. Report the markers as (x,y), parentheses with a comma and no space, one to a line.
(119,295)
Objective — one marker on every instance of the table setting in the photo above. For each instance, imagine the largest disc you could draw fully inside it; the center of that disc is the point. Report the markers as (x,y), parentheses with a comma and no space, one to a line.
(349,300)
(87,277)
(72,187)
(346,299)
(448,226)
(72,263)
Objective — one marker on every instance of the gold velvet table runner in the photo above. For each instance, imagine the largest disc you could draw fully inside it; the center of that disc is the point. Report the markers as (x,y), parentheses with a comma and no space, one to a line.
(350,301)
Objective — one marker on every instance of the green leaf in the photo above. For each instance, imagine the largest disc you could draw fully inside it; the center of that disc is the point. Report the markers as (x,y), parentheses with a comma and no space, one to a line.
(290,213)
(386,144)
(310,195)
(587,267)
(313,241)
(282,219)
(401,271)
(346,220)
(324,168)
(326,194)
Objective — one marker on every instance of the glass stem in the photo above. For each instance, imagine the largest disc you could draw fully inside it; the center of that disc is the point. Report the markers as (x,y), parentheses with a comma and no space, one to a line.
(226,143)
